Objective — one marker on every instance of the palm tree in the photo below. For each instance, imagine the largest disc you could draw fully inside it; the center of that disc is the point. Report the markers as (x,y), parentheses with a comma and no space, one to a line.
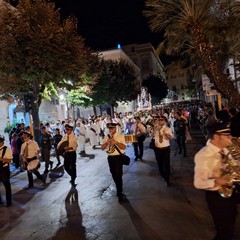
(199,26)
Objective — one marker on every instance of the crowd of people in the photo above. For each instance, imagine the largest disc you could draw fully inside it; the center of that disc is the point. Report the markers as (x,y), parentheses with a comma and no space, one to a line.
(164,125)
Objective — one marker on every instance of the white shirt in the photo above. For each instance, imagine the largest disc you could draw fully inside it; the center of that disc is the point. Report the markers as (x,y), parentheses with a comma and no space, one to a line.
(140,129)
(111,150)
(72,141)
(166,141)
(7,155)
(208,164)
(33,148)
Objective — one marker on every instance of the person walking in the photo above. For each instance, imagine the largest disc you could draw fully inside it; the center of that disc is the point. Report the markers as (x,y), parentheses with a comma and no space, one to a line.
(46,146)
(81,133)
(30,151)
(180,133)
(139,130)
(162,135)
(56,139)
(70,155)
(5,159)
(110,142)
(209,176)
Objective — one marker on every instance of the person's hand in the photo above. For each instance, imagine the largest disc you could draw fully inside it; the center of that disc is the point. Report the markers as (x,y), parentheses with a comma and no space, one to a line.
(223,181)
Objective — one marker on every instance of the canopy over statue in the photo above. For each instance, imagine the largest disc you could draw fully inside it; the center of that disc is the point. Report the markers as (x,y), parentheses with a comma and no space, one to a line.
(144,100)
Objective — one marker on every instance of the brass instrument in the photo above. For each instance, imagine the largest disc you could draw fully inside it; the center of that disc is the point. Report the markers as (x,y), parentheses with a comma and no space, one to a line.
(231,169)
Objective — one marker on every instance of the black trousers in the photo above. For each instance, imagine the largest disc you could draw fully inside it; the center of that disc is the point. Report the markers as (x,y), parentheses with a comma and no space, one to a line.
(181,142)
(30,177)
(70,165)
(139,144)
(46,157)
(115,166)
(224,214)
(163,160)
(5,178)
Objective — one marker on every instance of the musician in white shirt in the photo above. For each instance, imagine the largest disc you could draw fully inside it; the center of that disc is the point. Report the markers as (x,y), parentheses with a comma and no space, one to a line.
(70,155)
(114,160)
(162,135)
(30,151)
(139,130)
(5,159)
(208,176)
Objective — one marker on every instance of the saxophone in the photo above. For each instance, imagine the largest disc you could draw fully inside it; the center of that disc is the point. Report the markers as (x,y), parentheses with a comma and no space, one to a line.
(231,168)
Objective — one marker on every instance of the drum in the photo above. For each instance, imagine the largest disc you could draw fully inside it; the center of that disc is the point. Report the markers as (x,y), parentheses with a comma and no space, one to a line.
(60,149)
(33,165)
(131,138)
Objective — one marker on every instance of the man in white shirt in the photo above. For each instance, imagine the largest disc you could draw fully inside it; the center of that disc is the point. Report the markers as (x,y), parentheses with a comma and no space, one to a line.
(162,135)
(110,142)
(70,155)
(30,151)
(139,130)
(208,175)
(5,159)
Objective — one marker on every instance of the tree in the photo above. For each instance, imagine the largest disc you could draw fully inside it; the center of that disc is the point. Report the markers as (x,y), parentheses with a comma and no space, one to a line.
(156,87)
(116,83)
(38,52)
(193,24)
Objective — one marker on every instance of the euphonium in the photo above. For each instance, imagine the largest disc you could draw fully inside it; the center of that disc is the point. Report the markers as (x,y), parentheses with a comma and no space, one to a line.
(231,168)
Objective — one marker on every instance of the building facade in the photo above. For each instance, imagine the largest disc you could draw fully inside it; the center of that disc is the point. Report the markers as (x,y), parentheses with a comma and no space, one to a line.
(146,58)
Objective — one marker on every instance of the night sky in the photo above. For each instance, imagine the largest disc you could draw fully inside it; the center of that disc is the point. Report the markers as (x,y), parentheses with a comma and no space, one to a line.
(105,23)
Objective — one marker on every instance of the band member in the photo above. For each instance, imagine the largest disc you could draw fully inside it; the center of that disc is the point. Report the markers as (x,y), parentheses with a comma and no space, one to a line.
(46,145)
(115,165)
(70,155)
(30,151)
(5,159)
(208,176)
(162,135)
(139,130)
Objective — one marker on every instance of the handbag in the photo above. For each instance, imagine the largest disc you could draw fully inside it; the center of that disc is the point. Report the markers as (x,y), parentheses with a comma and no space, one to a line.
(152,144)
(124,158)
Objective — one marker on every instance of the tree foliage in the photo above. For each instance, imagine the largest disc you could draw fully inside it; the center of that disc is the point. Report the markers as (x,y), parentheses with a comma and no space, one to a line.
(116,83)
(156,87)
(207,29)
(39,53)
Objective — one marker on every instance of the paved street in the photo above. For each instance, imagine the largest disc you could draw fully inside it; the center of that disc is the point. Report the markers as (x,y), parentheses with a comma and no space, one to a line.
(92,211)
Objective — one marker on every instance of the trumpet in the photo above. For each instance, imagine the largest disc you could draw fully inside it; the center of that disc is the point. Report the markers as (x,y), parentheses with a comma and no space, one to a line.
(231,168)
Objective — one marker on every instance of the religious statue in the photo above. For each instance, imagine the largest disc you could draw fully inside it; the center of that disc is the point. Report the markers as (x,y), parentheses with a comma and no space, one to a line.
(144,99)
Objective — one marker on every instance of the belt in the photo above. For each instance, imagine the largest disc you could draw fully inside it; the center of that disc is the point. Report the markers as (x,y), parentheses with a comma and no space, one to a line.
(163,148)
(30,159)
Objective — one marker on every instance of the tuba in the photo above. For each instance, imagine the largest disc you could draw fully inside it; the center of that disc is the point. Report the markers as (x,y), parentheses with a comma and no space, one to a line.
(231,168)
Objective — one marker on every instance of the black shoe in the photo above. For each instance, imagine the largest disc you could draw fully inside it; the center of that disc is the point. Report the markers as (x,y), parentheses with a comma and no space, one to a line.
(136,158)
(29,187)
(94,147)
(73,184)
(46,171)
(9,204)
